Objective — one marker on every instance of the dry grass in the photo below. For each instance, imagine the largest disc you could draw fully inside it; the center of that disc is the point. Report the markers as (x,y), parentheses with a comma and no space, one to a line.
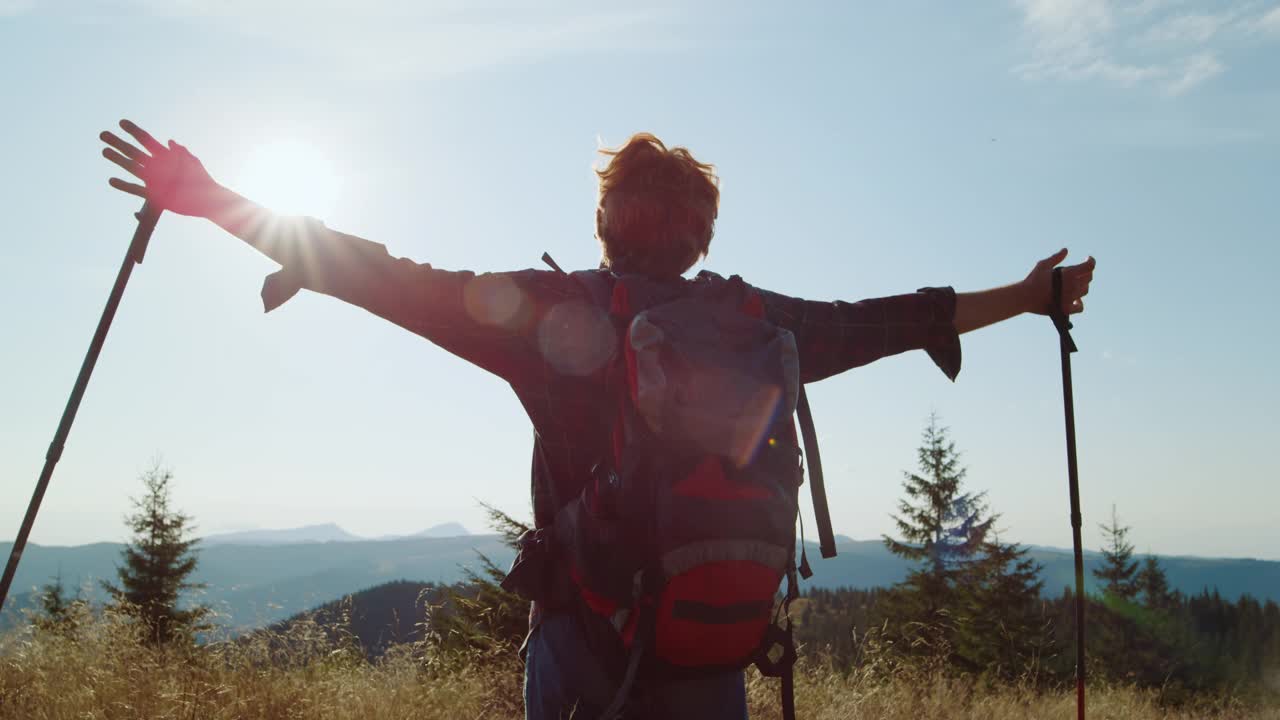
(827,695)
(105,672)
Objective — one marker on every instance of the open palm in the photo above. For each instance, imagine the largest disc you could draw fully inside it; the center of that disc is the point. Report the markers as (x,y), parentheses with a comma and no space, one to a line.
(172,177)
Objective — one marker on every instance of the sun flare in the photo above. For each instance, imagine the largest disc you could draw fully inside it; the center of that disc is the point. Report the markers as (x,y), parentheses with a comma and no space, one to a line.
(292,177)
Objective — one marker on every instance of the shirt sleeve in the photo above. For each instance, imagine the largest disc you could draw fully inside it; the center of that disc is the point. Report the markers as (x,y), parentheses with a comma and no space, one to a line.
(494,320)
(835,336)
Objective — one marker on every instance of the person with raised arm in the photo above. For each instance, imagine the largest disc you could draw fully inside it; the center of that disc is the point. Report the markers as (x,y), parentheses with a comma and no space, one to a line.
(546,333)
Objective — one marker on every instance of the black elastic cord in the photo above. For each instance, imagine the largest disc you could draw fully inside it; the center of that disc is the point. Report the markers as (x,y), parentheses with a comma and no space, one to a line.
(806,572)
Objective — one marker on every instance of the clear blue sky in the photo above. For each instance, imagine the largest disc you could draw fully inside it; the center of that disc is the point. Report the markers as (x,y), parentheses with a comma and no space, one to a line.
(865,149)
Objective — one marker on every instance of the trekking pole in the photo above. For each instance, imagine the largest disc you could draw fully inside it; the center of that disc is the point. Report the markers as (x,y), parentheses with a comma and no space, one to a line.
(1068,346)
(137,249)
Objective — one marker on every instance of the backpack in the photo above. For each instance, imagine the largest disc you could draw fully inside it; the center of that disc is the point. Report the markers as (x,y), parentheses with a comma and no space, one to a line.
(686,529)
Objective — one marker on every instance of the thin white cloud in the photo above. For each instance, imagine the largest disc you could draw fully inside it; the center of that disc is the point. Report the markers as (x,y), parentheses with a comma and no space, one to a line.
(1070,41)
(1192,28)
(381,37)
(1269,22)
(1157,44)
(1143,8)
(9,8)
(1067,33)
(1120,73)
(1200,68)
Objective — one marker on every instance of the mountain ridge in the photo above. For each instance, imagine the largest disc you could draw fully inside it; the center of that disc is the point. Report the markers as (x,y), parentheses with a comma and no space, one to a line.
(275,581)
(321,533)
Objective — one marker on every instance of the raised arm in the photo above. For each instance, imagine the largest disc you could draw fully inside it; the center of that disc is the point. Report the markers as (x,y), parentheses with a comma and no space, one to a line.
(488,320)
(835,336)
(1033,294)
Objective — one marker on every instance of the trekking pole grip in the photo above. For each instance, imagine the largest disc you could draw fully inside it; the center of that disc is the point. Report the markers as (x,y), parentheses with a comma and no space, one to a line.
(1059,317)
(147,218)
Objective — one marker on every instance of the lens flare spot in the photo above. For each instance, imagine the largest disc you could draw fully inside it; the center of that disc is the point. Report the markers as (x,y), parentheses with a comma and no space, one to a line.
(494,300)
(577,338)
(754,420)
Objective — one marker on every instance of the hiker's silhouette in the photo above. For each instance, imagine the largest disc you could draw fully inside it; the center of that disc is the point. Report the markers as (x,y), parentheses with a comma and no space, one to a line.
(666,465)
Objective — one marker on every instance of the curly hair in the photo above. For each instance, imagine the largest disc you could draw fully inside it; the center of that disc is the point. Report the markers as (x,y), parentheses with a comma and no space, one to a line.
(657,208)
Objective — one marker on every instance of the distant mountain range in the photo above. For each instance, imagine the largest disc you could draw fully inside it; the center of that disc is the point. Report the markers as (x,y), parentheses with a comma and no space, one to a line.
(255,585)
(328,532)
(280,578)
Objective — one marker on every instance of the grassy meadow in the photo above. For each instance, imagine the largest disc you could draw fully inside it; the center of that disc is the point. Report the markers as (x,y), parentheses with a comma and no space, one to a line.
(100,668)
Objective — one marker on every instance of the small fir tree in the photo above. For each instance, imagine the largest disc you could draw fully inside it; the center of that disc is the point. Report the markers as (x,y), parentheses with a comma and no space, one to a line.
(1153,584)
(1119,570)
(157,564)
(479,615)
(1005,627)
(57,613)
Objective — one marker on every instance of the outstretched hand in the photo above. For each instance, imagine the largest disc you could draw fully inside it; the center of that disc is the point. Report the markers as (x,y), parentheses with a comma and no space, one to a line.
(172,177)
(1075,284)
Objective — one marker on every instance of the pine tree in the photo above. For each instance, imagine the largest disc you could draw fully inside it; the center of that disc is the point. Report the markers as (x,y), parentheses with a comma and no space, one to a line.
(1152,582)
(158,562)
(1119,569)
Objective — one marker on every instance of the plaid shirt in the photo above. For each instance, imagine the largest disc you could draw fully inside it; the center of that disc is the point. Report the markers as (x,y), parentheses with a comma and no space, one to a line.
(539,331)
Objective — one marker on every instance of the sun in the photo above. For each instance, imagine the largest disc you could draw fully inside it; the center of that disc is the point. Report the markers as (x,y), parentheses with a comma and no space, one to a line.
(292,177)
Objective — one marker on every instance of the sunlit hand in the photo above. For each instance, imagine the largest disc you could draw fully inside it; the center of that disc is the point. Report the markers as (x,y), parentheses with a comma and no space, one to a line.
(1075,284)
(173,178)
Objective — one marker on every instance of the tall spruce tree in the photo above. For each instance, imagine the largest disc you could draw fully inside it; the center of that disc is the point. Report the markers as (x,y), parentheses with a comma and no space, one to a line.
(943,530)
(942,527)
(157,564)
(1119,570)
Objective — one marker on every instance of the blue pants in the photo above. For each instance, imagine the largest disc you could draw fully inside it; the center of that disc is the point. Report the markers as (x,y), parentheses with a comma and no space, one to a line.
(563,677)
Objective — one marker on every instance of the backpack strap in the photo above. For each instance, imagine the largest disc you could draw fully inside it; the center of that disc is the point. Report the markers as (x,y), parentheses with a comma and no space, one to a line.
(789,693)
(598,283)
(644,632)
(546,258)
(826,539)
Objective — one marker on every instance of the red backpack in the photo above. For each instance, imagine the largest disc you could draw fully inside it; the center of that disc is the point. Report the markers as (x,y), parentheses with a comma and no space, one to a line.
(686,530)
